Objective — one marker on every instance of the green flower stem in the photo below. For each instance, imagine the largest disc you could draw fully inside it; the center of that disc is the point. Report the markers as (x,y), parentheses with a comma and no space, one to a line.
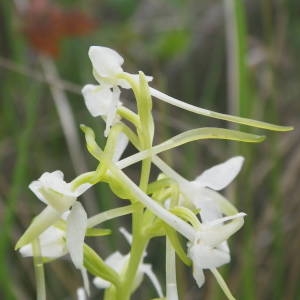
(171,284)
(39,270)
(145,136)
(139,243)
(109,214)
(216,115)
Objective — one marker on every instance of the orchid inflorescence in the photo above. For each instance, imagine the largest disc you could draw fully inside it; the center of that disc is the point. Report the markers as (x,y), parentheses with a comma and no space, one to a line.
(170,206)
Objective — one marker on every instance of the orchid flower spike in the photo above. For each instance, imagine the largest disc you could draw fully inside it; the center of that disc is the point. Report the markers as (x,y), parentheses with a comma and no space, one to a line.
(59,197)
(118,262)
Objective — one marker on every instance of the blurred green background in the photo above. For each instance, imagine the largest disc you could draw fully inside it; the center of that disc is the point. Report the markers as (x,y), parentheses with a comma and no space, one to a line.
(239,57)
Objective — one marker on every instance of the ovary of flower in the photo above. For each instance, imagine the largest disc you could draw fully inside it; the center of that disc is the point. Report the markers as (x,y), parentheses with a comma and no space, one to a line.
(208,250)
(118,262)
(59,197)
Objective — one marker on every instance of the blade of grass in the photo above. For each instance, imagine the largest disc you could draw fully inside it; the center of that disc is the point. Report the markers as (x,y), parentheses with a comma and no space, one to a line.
(19,174)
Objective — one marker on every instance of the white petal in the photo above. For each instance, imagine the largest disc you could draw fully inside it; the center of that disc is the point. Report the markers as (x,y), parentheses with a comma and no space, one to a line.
(35,187)
(54,181)
(85,279)
(107,62)
(117,261)
(220,176)
(51,242)
(205,257)
(76,228)
(120,147)
(101,283)
(205,199)
(147,269)
(97,99)
(198,276)
(214,233)
(81,294)
(112,110)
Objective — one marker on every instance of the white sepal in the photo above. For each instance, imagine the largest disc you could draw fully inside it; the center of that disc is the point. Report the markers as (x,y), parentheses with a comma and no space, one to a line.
(220,176)
(76,228)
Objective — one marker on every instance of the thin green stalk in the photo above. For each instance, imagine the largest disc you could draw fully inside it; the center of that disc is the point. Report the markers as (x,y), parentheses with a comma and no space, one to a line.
(39,271)
(139,243)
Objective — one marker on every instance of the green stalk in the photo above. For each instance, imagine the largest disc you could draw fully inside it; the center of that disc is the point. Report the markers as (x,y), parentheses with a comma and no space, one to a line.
(39,271)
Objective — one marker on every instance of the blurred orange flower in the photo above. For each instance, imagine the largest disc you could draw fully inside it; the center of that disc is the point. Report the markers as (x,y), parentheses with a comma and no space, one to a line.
(45,25)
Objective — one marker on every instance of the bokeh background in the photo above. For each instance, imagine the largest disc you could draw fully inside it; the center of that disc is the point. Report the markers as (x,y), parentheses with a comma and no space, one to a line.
(239,57)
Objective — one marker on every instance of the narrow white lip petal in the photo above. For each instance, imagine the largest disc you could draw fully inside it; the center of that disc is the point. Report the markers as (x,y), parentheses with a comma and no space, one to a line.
(126,234)
(85,280)
(81,294)
(147,269)
(120,147)
(97,99)
(221,175)
(198,276)
(75,233)
(107,62)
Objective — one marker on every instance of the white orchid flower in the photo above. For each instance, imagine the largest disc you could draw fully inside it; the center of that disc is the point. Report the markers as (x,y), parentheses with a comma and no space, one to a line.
(118,262)
(56,242)
(208,250)
(104,99)
(202,190)
(52,190)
